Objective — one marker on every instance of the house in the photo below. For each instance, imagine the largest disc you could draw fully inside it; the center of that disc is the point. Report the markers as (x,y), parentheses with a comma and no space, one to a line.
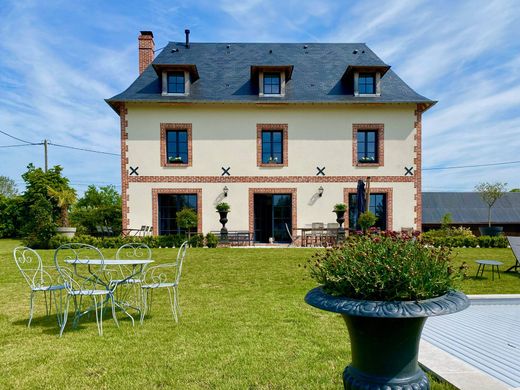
(467,209)
(280,131)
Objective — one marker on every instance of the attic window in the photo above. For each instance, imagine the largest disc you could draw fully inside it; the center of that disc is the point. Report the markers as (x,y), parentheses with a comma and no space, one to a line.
(367,83)
(272,83)
(176,82)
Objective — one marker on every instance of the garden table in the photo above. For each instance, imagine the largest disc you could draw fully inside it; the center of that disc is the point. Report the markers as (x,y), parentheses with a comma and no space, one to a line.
(493,263)
(137,266)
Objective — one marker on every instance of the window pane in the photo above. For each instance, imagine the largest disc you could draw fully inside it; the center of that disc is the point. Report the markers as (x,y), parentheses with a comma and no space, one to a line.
(371,136)
(266,136)
(176,82)
(183,136)
(277,136)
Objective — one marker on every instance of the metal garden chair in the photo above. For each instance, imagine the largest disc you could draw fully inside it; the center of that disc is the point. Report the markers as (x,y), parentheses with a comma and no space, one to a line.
(164,276)
(81,267)
(39,280)
(294,239)
(514,243)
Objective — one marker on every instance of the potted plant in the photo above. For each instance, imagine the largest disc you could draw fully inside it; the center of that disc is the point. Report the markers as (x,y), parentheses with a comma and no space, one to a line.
(385,287)
(187,219)
(223,210)
(366,220)
(175,159)
(340,209)
(64,198)
(490,193)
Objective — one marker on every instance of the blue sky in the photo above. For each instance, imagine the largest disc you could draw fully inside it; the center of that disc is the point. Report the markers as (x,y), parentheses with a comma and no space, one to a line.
(60,59)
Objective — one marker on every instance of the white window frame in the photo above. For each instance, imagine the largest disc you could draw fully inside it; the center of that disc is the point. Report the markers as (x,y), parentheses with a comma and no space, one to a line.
(377,81)
(165,84)
(261,84)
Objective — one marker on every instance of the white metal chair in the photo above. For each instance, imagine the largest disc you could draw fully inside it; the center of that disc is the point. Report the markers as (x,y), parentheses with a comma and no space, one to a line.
(83,280)
(164,276)
(39,280)
(294,239)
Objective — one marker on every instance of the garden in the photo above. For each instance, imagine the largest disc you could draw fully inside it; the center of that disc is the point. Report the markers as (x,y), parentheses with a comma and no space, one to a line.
(244,324)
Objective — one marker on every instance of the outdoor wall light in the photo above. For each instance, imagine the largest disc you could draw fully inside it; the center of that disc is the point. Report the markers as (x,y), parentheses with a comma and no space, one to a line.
(320,191)
(225,189)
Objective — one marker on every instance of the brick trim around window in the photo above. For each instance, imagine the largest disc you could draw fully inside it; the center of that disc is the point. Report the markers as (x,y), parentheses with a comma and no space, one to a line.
(175,191)
(374,190)
(380,128)
(284,127)
(164,156)
(253,191)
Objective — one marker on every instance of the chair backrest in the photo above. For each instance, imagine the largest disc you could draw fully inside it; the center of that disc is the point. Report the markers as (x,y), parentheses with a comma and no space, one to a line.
(168,272)
(30,265)
(99,229)
(332,225)
(134,250)
(180,259)
(317,226)
(79,276)
(289,232)
(514,242)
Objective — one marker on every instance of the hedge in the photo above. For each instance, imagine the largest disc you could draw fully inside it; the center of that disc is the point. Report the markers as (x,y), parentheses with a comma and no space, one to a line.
(469,242)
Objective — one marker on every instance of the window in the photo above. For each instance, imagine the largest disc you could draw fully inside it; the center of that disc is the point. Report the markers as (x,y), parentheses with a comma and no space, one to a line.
(272,84)
(177,146)
(168,205)
(272,147)
(176,82)
(367,84)
(367,146)
(377,206)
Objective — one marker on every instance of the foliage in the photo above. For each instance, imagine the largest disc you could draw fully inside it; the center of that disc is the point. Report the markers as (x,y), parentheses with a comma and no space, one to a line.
(10,215)
(515,190)
(384,267)
(223,207)
(196,240)
(446,221)
(187,218)
(211,240)
(462,237)
(448,232)
(490,193)
(7,187)
(97,207)
(64,198)
(167,241)
(340,207)
(40,212)
(366,220)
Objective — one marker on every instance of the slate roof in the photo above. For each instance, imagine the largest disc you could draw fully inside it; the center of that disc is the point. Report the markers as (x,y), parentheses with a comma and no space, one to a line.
(225,74)
(468,208)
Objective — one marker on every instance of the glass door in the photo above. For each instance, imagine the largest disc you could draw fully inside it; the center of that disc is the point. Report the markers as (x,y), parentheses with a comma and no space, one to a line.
(271,213)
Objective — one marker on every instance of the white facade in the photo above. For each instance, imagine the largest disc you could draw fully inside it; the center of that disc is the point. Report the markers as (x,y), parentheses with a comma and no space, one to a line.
(225,135)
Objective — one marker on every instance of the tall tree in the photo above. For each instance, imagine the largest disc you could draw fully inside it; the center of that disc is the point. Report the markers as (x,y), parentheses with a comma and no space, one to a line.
(7,187)
(490,193)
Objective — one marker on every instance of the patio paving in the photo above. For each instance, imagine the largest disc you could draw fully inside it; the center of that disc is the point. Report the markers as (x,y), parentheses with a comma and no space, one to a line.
(478,348)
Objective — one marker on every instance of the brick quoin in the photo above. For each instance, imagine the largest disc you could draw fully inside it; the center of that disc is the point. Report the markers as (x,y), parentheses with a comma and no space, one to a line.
(418,165)
(123,111)
(373,190)
(253,191)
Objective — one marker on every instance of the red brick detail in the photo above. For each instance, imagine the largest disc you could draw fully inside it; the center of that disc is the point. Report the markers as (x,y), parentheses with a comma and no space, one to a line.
(146,48)
(123,111)
(284,127)
(175,126)
(380,143)
(268,179)
(375,190)
(155,204)
(253,191)
(418,165)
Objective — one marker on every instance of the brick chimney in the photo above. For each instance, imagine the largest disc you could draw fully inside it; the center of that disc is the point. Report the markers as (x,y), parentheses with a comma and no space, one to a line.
(146,48)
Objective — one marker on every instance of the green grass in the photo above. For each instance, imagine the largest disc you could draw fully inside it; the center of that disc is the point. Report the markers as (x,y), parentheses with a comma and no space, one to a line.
(244,326)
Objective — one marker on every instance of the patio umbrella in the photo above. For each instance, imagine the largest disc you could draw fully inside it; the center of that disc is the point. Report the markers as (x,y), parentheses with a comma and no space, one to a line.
(360,198)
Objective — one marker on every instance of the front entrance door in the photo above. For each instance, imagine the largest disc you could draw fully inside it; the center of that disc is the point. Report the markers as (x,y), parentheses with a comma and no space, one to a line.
(272,212)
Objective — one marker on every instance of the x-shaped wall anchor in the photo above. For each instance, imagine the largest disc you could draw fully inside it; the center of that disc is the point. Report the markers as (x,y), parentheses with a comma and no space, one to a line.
(409,171)
(320,171)
(133,171)
(225,171)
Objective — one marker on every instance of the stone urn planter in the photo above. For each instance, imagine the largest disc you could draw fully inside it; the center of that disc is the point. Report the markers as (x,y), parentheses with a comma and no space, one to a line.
(223,220)
(490,230)
(66,231)
(340,218)
(385,337)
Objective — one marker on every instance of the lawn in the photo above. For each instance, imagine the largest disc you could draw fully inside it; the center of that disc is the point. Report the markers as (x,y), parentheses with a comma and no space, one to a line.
(244,326)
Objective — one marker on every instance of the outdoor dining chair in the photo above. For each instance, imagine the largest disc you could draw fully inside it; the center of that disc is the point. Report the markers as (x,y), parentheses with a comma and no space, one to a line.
(33,271)
(294,239)
(315,236)
(165,276)
(514,243)
(81,267)
(331,236)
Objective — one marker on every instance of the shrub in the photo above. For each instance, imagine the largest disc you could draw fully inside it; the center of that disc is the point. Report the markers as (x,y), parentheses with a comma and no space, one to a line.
(11,209)
(384,267)
(223,207)
(187,218)
(366,220)
(197,240)
(340,207)
(211,240)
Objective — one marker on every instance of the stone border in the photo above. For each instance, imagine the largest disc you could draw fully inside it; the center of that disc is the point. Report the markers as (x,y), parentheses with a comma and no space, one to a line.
(155,205)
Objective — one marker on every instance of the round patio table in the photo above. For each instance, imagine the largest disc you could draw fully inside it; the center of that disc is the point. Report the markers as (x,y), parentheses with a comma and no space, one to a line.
(493,263)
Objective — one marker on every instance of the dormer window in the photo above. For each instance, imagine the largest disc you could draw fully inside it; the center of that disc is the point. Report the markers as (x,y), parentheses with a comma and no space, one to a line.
(367,83)
(176,82)
(272,83)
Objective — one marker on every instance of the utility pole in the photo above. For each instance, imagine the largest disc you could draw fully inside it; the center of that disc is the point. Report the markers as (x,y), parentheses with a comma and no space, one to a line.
(45,152)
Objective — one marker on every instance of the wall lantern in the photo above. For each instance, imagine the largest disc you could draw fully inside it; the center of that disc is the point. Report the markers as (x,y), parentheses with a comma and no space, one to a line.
(320,191)
(226,190)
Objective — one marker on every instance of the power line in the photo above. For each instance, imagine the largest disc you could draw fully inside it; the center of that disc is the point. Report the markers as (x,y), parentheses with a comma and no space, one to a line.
(83,149)
(18,139)
(18,145)
(473,166)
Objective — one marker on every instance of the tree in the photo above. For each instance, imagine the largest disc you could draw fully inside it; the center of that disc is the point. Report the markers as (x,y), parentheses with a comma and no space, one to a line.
(64,198)
(447,220)
(187,219)
(7,187)
(97,207)
(10,215)
(515,190)
(490,193)
(366,220)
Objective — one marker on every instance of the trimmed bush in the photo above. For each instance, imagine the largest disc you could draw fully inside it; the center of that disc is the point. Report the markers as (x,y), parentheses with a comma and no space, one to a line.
(211,240)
